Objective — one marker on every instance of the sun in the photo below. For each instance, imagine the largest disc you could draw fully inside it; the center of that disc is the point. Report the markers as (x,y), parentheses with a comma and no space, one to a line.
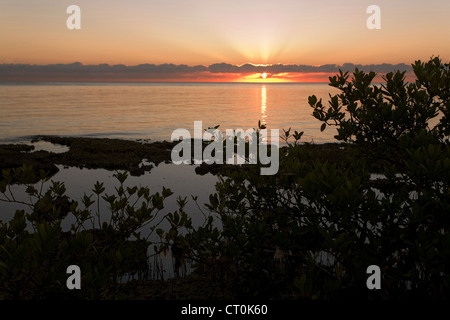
(264,77)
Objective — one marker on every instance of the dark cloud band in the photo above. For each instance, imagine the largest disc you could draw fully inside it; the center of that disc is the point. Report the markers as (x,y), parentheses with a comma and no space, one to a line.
(167,71)
(214,68)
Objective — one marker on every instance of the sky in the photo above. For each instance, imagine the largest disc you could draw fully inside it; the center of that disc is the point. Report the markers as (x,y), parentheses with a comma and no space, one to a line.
(235,32)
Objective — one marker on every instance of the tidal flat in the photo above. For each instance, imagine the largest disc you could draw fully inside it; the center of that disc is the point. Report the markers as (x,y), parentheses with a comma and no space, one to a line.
(79,161)
(134,156)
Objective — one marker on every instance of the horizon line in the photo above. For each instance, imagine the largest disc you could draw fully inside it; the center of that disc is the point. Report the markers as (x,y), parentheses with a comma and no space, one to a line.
(169,72)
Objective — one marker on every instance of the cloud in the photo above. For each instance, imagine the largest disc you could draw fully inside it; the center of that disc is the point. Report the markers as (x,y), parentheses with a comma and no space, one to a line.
(171,72)
(297,68)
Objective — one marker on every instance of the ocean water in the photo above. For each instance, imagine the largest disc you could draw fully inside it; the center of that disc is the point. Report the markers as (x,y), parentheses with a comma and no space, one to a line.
(153,111)
(150,111)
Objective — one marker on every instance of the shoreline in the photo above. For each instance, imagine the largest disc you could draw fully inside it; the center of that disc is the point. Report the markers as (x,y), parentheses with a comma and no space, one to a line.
(136,156)
(116,154)
(91,153)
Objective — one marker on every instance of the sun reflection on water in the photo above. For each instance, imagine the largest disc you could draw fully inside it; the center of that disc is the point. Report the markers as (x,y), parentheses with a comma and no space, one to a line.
(263,104)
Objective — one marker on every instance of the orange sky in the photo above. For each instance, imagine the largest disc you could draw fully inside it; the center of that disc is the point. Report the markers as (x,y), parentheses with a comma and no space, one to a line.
(201,32)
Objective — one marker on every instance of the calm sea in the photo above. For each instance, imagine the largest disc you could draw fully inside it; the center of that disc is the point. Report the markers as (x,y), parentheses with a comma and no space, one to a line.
(147,111)
(154,110)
